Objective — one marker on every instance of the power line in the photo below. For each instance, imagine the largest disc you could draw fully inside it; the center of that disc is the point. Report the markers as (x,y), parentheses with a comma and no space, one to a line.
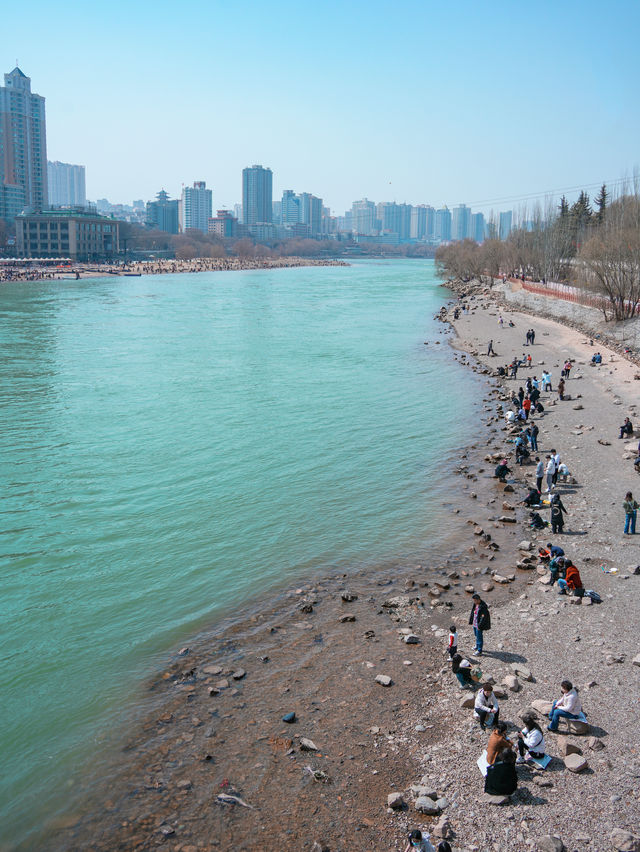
(549,192)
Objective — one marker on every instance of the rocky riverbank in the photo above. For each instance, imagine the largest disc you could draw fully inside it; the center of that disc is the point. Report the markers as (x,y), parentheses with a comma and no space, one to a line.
(380,742)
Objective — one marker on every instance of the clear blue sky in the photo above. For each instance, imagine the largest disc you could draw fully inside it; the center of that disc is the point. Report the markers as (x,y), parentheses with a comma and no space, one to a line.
(406,101)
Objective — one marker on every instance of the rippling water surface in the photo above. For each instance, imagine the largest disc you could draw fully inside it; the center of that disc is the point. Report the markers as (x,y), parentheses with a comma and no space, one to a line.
(173,446)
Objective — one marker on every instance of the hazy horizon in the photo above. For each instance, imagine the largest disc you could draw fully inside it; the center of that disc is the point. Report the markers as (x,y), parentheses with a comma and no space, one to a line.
(423,104)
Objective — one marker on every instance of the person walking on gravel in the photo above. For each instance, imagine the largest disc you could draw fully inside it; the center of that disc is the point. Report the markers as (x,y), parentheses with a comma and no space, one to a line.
(480,618)
(631,511)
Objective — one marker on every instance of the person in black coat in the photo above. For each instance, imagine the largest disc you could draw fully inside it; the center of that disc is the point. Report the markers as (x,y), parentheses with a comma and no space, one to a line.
(502,778)
(480,619)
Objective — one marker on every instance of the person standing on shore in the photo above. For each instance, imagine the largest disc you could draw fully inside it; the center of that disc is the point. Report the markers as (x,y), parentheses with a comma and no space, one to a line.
(480,618)
(533,336)
(631,511)
(561,389)
(534,432)
(490,348)
(556,458)
(558,512)
(539,473)
(550,470)
(453,641)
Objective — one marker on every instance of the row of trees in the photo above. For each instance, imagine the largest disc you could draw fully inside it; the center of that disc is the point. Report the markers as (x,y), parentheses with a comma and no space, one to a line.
(596,249)
(192,244)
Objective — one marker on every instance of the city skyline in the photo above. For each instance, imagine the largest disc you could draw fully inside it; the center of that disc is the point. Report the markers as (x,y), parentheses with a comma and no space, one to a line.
(459,112)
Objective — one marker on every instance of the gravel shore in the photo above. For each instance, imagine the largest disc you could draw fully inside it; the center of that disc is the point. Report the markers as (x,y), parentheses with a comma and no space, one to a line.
(214,766)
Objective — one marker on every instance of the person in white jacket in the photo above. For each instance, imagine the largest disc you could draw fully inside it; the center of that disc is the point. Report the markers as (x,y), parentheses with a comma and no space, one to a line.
(485,704)
(530,739)
(567,707)
(550,470)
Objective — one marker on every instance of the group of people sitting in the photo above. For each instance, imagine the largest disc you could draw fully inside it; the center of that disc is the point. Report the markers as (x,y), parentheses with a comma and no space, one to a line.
(503,754)
(564,573)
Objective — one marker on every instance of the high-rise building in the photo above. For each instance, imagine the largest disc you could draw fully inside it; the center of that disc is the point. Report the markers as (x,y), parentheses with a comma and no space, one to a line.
(363,217)
(506,219)
(66,185)
(23,147)
(418,222)
(311,212)
(164,213)
(477,227)
(442,232)
(196,206)
(461,224)
(290,208)
(257,195)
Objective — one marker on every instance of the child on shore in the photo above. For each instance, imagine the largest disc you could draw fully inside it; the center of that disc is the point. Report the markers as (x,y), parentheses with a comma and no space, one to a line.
(453,641)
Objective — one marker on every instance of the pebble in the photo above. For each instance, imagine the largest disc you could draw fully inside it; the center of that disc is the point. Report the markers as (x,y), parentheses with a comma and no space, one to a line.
(307,744)
(383,680)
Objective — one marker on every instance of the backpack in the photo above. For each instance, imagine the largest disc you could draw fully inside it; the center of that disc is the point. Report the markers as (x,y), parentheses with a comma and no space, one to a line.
(595,597)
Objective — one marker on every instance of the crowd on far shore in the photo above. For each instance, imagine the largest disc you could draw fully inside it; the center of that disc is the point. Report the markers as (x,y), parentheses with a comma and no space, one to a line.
(159,267)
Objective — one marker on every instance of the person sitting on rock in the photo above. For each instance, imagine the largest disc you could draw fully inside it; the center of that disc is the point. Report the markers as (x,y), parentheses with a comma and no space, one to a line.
(486,704)
(462,670)
(530,740)
(502,470)
(566,707)
(417,840)
(572,581)
(498,741)
(626,428)
(502,778)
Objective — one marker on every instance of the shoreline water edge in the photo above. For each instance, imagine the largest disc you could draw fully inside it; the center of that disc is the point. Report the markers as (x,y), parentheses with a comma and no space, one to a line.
(136,268)
(217,762)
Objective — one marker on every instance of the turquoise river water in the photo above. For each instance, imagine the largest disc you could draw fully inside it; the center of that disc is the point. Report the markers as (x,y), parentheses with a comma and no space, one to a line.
(173,446)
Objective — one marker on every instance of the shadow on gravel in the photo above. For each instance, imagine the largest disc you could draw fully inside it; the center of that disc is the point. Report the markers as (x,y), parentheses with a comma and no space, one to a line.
(575,532)
(505,656)
(595,731)
(524,796)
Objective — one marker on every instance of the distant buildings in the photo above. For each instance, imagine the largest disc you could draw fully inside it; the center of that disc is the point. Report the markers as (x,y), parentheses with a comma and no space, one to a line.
(80,234)
(257,195)
(224,224)
(23,147)
(66,185)
(461,222)
(442,232)
(477,227)
(196,206)
(289,208)
(363,217)
(505,224)
(164,213)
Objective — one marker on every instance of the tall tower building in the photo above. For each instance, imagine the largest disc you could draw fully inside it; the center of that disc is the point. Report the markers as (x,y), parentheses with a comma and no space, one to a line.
(23,147)
(66,185)
(442,232)
(311,212)
(506,219)
(290,208)
(461,227)
(257,195)
(363,217)
(196,207)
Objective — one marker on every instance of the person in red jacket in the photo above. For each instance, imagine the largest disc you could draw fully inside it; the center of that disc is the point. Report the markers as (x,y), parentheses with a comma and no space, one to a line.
(572,581)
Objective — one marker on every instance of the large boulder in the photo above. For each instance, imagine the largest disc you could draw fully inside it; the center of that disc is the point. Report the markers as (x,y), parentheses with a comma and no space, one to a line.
(576,763)
(550,843)
(541,707)
(426,805)
(522,671)
(511,682)
(624,841)
(395,801)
